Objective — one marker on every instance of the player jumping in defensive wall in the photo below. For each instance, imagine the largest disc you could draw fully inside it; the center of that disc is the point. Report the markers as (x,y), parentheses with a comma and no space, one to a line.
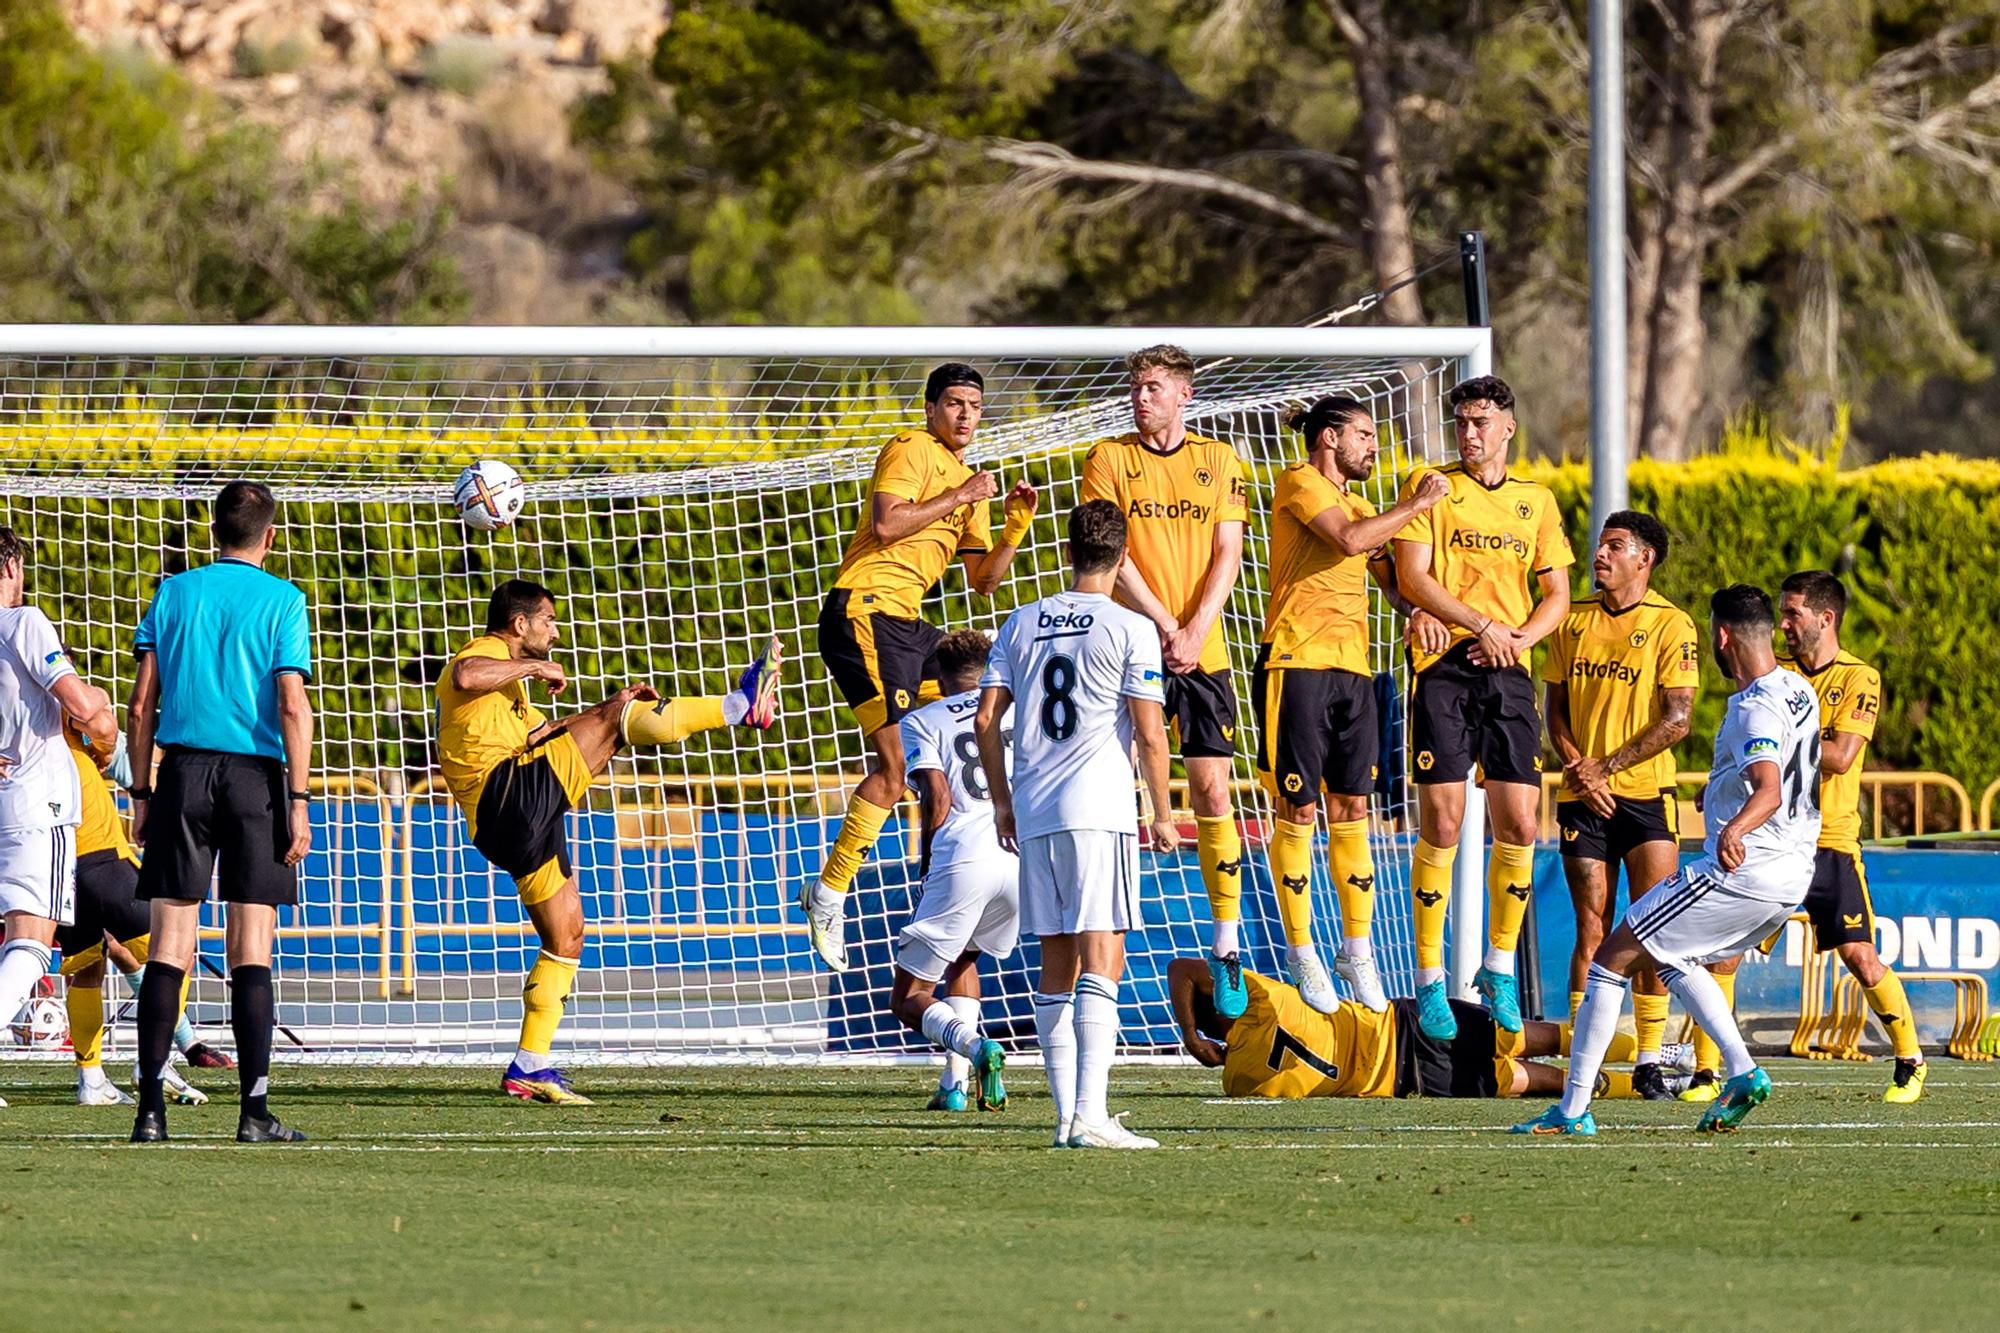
(1469,563)
(1621,673)
(515,774)
(971,902)
(1811,605)
(925,507)
(1313,690)
(1183,500)
(1283,1048)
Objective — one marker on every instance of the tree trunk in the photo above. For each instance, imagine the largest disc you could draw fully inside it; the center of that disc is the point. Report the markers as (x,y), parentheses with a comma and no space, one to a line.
(1642,289)
(1391,252)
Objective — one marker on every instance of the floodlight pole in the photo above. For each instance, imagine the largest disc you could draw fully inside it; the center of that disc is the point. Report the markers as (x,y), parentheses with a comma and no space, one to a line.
(1608,442)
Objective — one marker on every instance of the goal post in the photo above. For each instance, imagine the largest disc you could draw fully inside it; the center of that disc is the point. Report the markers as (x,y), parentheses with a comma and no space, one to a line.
(690,492)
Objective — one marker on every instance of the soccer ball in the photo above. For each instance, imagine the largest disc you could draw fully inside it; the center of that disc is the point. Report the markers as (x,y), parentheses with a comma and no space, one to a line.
(489,495)
(41,1024)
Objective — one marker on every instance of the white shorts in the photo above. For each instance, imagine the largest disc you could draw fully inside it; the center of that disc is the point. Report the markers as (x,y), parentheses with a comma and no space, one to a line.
(1080,880)
(38,872)
(1698,916)
(972,905)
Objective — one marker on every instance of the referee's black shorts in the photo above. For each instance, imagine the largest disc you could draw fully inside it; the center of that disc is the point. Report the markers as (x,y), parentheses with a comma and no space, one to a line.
(221,817)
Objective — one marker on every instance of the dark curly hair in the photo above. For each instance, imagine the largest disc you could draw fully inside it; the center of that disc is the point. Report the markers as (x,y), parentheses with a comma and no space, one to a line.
(1483,388)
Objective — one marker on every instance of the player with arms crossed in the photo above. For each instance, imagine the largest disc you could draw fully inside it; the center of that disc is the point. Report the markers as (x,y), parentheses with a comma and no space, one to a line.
(1183,501)
(1811,605)
(1621,674)
(1469,563)
(925,508)
(971,901)
(40,798)
(1313,690)
(1763,820)
(1283,1048)
(516,774)
(1086,674)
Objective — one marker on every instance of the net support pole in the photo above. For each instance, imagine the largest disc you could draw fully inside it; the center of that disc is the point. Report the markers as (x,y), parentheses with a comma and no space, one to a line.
(1468,882)
(1607,262)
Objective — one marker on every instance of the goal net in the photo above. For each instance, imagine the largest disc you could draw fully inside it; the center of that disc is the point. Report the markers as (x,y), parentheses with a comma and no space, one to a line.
(689,494)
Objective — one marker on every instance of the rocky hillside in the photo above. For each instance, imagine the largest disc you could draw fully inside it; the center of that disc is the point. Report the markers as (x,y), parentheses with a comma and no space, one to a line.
(467,101)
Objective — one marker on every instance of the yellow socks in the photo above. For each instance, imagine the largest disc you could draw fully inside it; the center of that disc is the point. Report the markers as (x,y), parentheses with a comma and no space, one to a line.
(1430,894)
(1575,1000)
(858,832)
(1221,850)
(1615,1083)
(542,1000)
(85,1005)
(1353,877)
(1892,1008)
(668,720)
(1291,875)
(1510,878)
(1649,1020)
(1621,1049)
(1707,1055)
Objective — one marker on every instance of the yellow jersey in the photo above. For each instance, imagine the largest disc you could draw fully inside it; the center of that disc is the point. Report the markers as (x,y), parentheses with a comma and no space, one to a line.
(893,578)
(1172,502)
(1487,544)
(1317,618)
(100,829)
(1850,700)
(1615,664)
(479,732)
(1283,1047)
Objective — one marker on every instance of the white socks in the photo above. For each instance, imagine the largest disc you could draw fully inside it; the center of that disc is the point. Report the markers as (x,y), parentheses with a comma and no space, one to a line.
(1596,1024)
(945,1025)
(1055,1030)
(531,1062)
(22,964)
(1225,940)
(1357,946)
(1500,960)
(1702,997)
(1299,953)
(1096,1043)
(1427,975)
(735,707)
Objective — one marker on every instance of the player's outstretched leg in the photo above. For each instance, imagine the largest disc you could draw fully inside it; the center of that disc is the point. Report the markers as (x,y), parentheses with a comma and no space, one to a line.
(1595,1027)
(1747,1085)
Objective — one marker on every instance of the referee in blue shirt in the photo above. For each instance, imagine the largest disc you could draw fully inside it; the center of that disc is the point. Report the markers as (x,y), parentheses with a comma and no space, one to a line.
(223,659)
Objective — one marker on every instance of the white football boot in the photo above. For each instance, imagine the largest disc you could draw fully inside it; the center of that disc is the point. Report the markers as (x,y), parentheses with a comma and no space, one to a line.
(100,1092)
(1362,978)
(1315,986)
(1110,1133)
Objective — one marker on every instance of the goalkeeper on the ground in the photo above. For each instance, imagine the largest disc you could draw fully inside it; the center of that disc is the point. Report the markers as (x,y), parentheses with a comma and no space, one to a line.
(516,774)
(925,507)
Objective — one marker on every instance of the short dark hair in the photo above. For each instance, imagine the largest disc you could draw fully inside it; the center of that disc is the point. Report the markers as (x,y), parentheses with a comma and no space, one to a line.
(949,376)
(1096,536)
(1646,528)
(961,652)
(515,597)
(1821,591)
(1483,388)
(1333,411)
(242,514)
(1162,356)
(1741,608)
(12,549)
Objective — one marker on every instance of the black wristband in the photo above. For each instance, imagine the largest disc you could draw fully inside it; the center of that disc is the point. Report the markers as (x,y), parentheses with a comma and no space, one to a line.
(140,793)
(302,796)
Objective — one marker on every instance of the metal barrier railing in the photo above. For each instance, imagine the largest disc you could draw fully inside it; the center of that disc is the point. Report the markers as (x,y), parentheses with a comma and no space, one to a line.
(1873,781)
(1986,800)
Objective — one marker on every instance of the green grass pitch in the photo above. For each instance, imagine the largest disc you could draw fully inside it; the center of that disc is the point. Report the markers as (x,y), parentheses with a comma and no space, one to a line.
(828,1199)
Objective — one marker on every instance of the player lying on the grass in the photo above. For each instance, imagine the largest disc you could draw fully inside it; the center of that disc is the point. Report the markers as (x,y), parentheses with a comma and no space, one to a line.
(1621,674)
(925,508)
(971,897)
(1313,690)
(1762,804)
(1282,1047)
(1085,673)
(516,774)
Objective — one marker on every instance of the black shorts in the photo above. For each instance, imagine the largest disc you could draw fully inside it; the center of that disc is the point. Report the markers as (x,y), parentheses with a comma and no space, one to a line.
(1464,715)
(520,826)
(1315,729)
(218,816)
(1633,823)
(107,903)
(1838,900)
(1201,710)
(884,666)
(1461,1067)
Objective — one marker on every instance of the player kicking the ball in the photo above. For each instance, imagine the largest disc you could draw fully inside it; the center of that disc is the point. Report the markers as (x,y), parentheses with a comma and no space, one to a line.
(1757,864)
(1085,673)
(515,774)
(971,899)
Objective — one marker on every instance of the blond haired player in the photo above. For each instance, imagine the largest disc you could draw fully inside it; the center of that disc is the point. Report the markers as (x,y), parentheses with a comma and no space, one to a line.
(925,508)
(1313,691)
(515,774)
(1475,563)
(1183,500)
(1811,605)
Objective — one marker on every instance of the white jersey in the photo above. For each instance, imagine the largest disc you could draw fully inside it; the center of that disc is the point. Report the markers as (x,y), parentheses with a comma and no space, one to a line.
(938,738)
(1774,719)
(40,788)
(1071,661)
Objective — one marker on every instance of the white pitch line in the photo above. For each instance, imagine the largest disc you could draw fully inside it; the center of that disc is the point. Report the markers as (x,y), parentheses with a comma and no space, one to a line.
(1529,1144)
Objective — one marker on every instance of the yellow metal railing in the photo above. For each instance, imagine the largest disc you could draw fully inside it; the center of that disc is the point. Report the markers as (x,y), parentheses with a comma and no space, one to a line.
(1873,781)
(1986,800)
